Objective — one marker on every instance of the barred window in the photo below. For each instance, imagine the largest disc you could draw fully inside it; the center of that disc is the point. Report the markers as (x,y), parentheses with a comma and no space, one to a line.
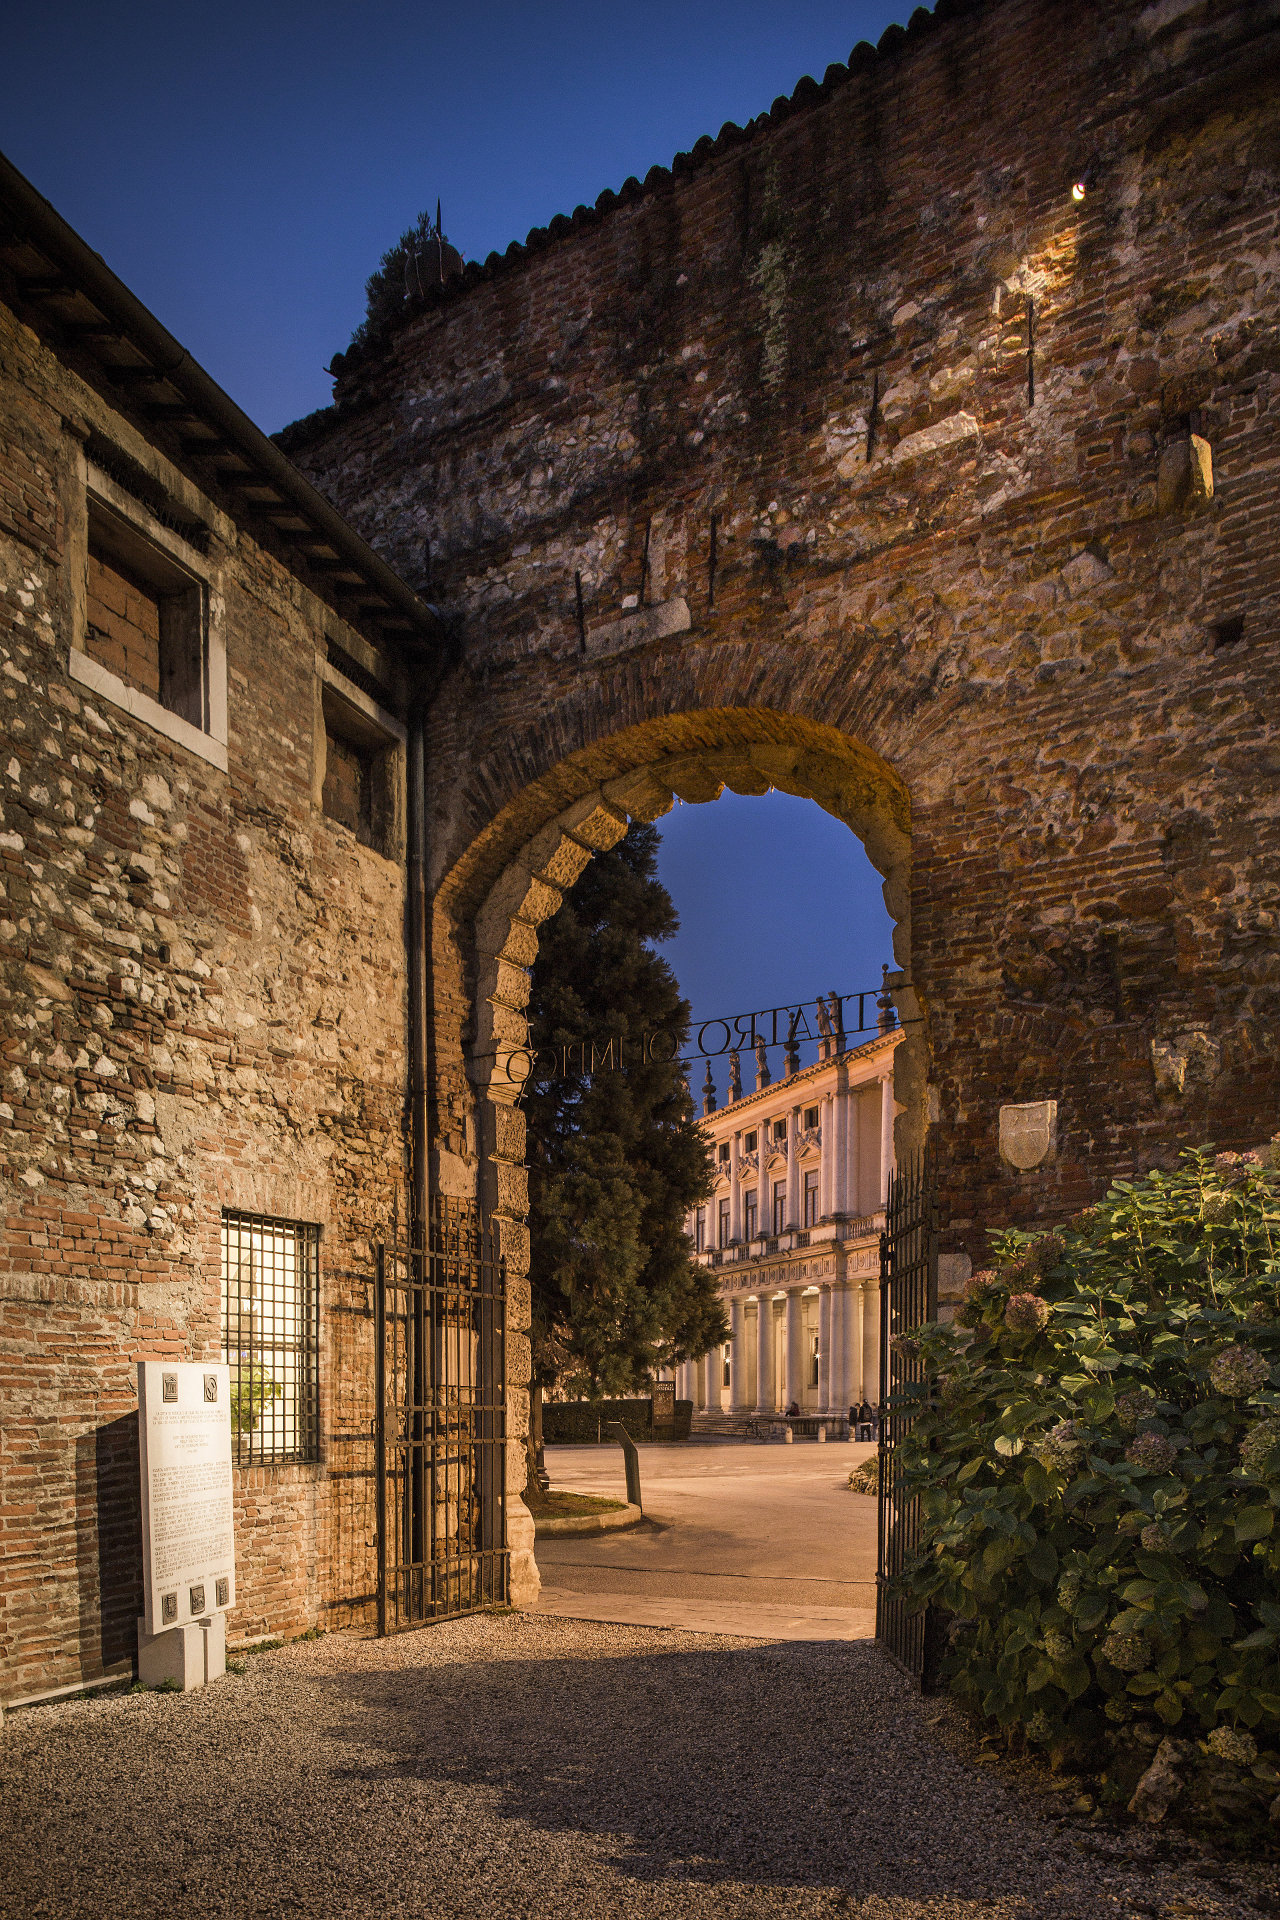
(271,1337)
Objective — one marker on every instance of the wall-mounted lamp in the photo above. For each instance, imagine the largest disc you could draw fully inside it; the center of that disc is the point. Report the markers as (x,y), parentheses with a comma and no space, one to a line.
(1084,182)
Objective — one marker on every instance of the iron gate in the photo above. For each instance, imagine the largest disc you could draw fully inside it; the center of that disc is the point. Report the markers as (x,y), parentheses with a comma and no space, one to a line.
(908,1297)
(440,1421)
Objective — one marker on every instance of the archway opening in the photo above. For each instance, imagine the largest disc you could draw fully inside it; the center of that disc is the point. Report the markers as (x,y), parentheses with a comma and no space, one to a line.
(515,874)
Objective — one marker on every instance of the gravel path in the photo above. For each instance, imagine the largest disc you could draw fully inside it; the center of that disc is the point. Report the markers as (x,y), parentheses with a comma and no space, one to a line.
(522,1766)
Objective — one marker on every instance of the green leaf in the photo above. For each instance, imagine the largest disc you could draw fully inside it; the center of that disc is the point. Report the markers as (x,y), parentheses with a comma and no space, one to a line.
(1254,1523)
(1042,1561)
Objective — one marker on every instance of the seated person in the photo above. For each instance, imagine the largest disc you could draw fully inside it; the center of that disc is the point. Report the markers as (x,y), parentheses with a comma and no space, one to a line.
(793,1411)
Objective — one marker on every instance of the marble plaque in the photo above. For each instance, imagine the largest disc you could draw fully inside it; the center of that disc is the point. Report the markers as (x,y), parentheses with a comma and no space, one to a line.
(188,1543)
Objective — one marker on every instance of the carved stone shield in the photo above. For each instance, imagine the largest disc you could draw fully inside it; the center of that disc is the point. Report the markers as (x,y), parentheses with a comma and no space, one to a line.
(1027,1133)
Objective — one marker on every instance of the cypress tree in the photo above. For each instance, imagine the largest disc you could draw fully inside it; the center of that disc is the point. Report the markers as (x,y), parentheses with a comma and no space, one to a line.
(616,1158)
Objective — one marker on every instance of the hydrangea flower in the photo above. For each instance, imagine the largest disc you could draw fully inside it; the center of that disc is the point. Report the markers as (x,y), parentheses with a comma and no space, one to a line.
(1116,1710)
(1238,1371)
(1026,1313)
(1060,1446)
(1231,1743)
(1135,1407)
(1154,1451)
(1154,1539)
(1259,1314)
(978,1291)
(1127,1651)
(1047,1252)
(1260,1449)
(1058,1645)
(906,1345)
(1216,1208)
(1040,1729)
(1069,1588)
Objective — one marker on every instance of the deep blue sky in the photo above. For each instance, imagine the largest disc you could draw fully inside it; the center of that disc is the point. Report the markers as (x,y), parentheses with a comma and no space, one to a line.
(242,167)
(777,903)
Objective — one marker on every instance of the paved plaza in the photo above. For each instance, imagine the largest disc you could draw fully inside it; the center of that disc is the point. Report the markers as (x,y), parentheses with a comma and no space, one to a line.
(744,1538)
(512,1767)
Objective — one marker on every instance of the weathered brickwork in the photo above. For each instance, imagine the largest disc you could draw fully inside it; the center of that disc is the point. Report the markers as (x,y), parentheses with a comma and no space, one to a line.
(203,989)
(897,476)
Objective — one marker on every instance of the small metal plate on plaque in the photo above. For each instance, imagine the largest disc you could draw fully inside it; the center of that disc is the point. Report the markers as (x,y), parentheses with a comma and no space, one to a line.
(197,1600)
(169,1389)
(169,1608)
(211,1386)
(222,1592)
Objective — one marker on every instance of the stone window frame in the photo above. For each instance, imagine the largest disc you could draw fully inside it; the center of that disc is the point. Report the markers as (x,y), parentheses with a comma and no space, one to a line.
(339,699)
(95,493)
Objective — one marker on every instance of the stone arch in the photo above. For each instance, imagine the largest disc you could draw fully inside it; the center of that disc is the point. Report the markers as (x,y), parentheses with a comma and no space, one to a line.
(515,875)
(844,778)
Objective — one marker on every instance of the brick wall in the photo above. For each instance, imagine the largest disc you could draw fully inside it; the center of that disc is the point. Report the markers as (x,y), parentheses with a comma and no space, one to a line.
(203,1003)
(906,433)
(123,622)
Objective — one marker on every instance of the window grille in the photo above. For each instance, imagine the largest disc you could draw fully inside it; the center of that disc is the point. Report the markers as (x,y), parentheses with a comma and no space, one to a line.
(724,1223)
(271,1337)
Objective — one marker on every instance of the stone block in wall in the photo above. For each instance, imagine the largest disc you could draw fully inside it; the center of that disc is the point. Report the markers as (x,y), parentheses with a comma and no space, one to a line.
(638,629)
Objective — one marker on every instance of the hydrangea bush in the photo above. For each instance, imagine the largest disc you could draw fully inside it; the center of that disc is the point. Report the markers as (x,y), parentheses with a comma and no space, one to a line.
(1097,1454)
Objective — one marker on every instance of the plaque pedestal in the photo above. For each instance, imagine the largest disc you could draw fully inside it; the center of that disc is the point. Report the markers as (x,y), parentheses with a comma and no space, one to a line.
(191,1655)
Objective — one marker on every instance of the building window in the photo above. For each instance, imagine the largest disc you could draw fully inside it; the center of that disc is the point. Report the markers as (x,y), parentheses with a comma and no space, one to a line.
(271,1337)
(750,1215)
(779,1205)
(811,1198)
(779,1129)
(810,1118)
(145,617)
(813,1362)
(749,1143)
(361,766)
(724,1154)
(726,1377)
(700,1230)
(724,1223)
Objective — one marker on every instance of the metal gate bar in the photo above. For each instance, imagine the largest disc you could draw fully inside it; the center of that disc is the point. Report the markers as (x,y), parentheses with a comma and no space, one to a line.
(908,1297)
(440,1421)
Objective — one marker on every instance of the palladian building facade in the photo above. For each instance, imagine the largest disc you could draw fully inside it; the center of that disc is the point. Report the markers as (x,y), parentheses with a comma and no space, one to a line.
(792,1229)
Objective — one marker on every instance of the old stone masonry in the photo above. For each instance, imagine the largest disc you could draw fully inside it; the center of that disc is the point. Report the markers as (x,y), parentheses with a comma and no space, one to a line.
(912,449)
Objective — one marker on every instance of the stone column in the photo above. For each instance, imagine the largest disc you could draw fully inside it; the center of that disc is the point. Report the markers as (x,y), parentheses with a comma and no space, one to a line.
(735,1189)
(852,1346)
(764,1199)
(840,1170)
(837,1382)
(795,1343)
(713,1367)
(793,1171)
(737,1353)
(886,1132)
(824,1164)
(764,1356)
(825,1404)
(871,1343)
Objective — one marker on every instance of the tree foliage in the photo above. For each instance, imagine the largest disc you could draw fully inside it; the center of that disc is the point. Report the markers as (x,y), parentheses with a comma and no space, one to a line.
(616,1159)
(1098,1459)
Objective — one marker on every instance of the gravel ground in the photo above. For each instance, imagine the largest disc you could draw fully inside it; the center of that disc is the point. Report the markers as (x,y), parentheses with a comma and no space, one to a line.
(519,1766)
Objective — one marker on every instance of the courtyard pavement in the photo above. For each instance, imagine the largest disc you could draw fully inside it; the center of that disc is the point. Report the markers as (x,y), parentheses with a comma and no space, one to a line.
(512,1767)
(763,1540)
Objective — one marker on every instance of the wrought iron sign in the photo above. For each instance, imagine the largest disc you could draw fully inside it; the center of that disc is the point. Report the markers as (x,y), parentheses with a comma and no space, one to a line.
(786,1027)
